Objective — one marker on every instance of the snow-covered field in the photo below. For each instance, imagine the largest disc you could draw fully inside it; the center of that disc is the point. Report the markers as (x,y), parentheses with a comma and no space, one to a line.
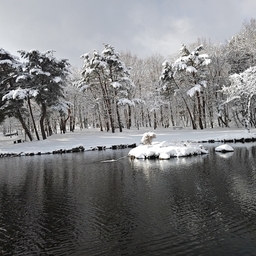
(91,138)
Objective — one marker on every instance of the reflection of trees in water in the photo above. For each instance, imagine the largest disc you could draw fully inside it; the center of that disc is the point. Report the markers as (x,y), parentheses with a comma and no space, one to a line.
(145,165)
(22,205)
(38,207)
(202,190)
(225,155)
(243,180)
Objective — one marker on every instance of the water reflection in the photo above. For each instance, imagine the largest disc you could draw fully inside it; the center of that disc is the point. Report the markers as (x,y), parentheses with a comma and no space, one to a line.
(165,165)
(75,204)
(225,155)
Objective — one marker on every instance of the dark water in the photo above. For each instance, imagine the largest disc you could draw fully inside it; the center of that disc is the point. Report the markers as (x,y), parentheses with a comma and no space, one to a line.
(74,204)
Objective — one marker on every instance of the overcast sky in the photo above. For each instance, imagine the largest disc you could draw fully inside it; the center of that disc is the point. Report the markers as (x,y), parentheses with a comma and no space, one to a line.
(142,27)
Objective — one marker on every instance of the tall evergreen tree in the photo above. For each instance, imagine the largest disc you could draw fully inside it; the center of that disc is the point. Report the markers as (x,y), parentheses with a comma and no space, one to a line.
(188,74)
(10,105)
(9,68)
(47,76)
(107,75)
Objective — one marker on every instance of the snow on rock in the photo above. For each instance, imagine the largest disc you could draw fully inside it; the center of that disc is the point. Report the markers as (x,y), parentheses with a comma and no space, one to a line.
(166,151)
(224,148)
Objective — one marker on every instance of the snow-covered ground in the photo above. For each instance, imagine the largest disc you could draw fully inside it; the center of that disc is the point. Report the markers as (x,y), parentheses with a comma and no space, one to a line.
(91,138)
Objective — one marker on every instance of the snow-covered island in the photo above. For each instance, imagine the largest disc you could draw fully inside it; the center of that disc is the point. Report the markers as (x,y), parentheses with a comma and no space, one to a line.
(164,150)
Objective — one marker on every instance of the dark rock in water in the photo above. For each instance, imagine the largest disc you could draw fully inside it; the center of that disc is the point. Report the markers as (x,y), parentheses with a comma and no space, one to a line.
(132,145)
(240,140)
(101,147)
(82,149)
(60,151)
(75,150)
(227,141)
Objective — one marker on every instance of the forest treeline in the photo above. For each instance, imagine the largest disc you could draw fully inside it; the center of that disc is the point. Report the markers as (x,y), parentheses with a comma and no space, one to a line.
(203,85)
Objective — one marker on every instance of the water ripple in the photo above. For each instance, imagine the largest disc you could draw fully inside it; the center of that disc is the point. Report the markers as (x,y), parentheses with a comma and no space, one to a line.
(70,205)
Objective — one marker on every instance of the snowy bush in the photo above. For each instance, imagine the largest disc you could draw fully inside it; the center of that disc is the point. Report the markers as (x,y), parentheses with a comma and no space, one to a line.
(147,138)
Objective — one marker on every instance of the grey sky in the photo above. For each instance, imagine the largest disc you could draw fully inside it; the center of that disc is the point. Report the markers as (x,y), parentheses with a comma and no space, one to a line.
(143,27)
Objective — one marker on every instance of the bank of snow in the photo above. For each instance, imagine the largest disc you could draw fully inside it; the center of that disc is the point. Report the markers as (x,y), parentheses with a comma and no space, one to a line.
(166,150)
(89,139)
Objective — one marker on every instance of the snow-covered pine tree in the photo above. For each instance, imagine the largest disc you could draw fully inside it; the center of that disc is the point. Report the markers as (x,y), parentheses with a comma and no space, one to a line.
(106,76)
(188,74)
(191,66)
(9,67)
(47,76)
(11,104)
(133,105)
(171,87)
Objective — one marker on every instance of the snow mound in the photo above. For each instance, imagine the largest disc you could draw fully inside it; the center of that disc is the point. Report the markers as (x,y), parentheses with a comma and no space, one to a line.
(166,151)
(224,148)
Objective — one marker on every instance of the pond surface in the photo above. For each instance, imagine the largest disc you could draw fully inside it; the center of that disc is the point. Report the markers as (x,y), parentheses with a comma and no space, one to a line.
(74,204)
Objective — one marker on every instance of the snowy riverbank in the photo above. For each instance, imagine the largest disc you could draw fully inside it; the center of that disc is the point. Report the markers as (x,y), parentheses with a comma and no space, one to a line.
(90,139)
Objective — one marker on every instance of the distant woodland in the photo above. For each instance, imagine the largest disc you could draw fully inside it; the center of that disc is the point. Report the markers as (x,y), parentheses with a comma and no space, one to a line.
(203,85)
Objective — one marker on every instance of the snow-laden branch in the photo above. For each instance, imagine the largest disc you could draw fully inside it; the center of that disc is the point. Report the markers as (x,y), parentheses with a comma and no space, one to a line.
(193,90)
(20,94)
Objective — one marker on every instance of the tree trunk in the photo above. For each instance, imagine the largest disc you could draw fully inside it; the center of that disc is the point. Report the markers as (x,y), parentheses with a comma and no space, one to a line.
(63,123)
(72,123)
(129,117)
(142,117)
(49,128)
(43,116)
(171,115)
(149,119)
(155,120)
(119,119)
(32,117)
(199,111)
(189,112)
(161,116)
(101,126)
(24,126)
(118,115)
(110,115)
(204,112)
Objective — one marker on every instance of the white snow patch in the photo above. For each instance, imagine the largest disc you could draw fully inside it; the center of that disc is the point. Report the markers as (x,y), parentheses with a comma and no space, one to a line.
(193,90)
(57,79)
(191,69)
(224,148)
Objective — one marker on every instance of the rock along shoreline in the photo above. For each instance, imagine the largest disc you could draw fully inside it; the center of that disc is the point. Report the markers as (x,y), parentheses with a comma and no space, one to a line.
(66,151)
